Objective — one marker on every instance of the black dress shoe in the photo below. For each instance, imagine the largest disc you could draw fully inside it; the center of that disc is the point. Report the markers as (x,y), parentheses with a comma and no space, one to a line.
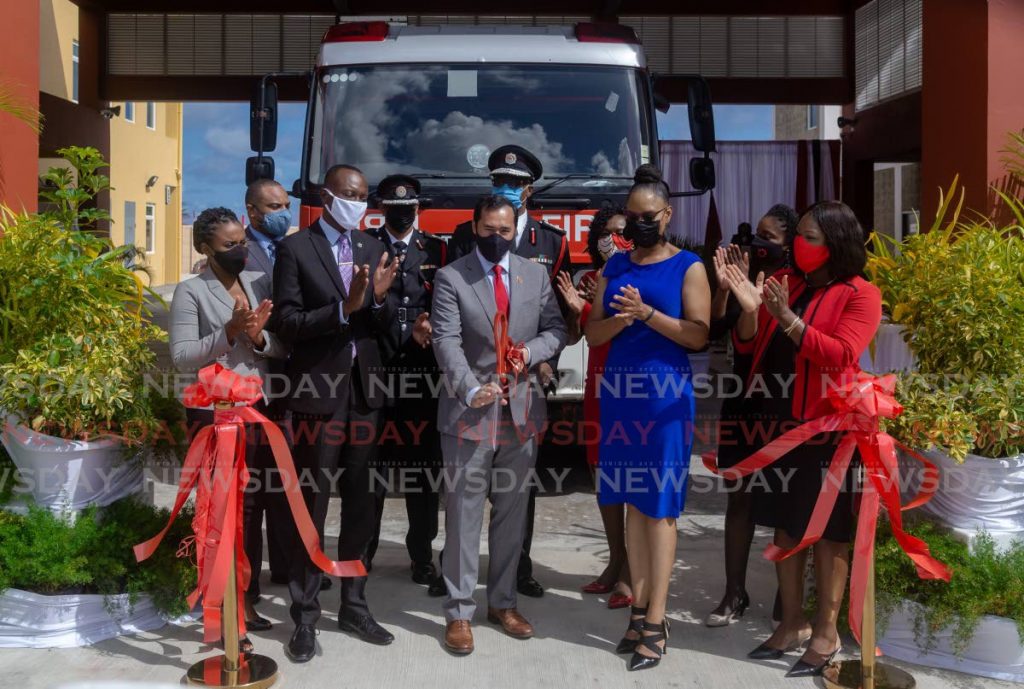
(326,583)
(258,624)
(437,588)
(530,587)
(302,646)
(423,573)
(804,669)
(365,627)
(650,641)
(766,652)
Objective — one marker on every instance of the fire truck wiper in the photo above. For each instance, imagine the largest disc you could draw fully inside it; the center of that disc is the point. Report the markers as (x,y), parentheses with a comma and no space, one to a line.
(566,178)
(445,175)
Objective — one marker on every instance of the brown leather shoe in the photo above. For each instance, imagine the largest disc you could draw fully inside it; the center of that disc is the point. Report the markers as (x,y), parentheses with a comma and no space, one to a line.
(458,637)
(511,621)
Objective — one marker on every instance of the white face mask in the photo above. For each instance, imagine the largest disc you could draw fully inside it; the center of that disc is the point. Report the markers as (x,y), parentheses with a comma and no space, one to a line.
(606,247)
(346,213)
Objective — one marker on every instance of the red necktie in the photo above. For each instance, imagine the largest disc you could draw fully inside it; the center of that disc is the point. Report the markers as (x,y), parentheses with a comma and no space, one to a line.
(500,294)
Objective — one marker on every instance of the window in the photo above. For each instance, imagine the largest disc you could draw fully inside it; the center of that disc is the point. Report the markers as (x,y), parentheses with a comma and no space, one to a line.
(150,227)
(887,50)
(129,111)
(129,223)
(74,71)
(812,116)
(151,115)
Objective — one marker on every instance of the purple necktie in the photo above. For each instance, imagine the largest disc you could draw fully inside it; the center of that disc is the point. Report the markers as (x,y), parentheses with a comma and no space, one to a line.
(345,268)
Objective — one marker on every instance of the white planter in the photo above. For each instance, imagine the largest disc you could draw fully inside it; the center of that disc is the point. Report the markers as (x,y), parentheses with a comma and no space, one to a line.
(891,353)
(32,620)
(69,475)
(979,495)
(995,649)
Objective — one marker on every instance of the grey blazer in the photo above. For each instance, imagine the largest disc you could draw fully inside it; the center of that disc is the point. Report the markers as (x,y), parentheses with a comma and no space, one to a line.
(462,317)
(200,309)
(258,259)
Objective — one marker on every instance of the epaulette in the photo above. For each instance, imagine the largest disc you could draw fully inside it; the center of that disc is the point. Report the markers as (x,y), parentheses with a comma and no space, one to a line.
(551,228)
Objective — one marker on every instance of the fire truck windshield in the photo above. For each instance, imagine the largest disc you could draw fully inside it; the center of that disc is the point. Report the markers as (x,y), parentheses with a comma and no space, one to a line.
(441,122)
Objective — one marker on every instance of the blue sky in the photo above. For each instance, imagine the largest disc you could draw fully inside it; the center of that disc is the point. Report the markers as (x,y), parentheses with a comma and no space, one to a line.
(217,143)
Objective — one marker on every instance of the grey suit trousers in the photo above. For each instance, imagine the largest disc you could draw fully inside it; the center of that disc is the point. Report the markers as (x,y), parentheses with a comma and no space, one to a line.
(474,472)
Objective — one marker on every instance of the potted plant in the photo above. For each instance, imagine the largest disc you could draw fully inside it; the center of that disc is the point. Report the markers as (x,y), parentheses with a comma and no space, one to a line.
(973,624)
(958,292)
(74,345)
(66,583)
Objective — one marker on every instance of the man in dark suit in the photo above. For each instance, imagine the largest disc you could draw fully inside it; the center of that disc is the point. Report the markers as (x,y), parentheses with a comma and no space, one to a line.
(513,171)
(268,207)
(330,304)
(413,447)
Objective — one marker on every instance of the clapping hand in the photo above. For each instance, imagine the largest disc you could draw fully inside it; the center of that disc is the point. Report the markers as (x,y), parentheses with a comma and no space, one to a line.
(630,305)
(587,289)
(731,255)
(747,293)
(383,277)
(357,289)
(242,319)
(776,297)
(255,325)
(572,298)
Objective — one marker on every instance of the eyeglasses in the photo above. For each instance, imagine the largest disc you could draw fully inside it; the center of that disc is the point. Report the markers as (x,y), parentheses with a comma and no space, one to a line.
(644,217)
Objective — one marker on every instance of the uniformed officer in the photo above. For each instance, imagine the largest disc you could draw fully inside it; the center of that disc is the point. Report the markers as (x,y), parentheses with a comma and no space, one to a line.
(410,448)
(513,172)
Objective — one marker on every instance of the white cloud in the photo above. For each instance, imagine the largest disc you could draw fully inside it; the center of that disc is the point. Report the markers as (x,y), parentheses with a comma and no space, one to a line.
(230,141)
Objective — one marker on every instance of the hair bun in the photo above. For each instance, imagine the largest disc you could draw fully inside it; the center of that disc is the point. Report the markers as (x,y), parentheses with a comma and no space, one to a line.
(647,174)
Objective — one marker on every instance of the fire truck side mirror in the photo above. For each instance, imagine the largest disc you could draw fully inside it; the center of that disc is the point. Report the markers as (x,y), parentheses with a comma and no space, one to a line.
(702,117)
(702,173)
(263,117)
(257,167)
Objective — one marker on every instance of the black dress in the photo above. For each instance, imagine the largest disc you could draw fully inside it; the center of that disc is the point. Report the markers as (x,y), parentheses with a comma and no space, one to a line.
(785,492)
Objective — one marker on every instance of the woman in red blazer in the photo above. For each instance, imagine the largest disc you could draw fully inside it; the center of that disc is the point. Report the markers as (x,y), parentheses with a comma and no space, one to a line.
(805,329)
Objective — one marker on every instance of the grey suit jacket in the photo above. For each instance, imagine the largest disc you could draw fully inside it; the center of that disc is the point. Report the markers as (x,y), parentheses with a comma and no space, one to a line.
(462,318)
(200,309)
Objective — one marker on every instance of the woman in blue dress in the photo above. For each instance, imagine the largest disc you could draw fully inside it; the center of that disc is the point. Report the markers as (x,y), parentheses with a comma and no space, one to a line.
(652,304)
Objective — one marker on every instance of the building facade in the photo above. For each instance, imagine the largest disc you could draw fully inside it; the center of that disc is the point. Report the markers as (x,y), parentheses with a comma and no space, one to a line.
(798,122)
(142,142)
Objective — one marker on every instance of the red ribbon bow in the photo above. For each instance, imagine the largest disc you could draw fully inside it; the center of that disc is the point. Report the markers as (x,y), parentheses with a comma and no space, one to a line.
(859,404)
(215,464)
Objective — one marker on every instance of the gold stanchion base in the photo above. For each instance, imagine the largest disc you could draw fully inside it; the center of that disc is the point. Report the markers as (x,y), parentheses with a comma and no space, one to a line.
(254,672)
(848,674)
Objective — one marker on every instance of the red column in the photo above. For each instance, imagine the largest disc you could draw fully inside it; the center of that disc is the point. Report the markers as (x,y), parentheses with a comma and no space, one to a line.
(19,146)
(971,95)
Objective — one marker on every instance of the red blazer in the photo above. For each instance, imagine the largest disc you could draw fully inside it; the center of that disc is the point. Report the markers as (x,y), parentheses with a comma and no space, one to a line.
(841,322)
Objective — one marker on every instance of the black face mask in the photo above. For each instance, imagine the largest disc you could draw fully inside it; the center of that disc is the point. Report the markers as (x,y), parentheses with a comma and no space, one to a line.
(400,218)
(765,254)
(493,247)
(643,233)
(233,260)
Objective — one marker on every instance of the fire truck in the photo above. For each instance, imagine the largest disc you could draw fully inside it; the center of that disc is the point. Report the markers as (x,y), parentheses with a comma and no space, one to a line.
(434,101)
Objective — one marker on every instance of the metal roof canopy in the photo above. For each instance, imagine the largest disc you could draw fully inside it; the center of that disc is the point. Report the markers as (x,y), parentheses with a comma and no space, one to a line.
(750,51)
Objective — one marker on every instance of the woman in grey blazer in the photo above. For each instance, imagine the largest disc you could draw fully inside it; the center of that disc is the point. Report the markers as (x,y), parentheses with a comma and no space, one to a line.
(220,316)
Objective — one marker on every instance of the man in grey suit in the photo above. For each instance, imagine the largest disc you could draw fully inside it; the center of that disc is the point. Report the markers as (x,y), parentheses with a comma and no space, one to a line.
(484,429)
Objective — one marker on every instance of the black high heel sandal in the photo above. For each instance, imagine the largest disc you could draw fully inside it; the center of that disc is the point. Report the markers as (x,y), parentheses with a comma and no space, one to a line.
(636,621)
(650,641)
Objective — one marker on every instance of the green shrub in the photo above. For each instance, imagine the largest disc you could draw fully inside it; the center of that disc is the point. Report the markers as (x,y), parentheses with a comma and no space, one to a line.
(44,553)
(958,291)
(74,336)
(985,582)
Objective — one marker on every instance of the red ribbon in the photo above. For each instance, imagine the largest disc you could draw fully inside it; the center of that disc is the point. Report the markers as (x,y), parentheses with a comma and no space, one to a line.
(215,464)
(858,406)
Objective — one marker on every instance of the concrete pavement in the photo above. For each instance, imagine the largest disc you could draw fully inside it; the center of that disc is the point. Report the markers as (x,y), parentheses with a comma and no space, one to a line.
(576,634)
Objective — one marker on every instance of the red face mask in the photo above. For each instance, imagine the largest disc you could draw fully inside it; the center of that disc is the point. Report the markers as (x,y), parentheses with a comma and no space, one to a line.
(809,257)
(621,242)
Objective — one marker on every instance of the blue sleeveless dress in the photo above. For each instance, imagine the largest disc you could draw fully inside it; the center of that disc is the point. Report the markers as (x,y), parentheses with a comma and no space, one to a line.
(646,396)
